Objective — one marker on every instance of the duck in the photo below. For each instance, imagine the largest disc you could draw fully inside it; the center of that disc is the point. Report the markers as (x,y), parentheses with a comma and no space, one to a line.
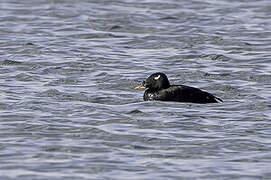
(158,88)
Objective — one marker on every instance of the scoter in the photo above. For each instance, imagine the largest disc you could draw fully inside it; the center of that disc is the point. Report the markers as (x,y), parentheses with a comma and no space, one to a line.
(159,88)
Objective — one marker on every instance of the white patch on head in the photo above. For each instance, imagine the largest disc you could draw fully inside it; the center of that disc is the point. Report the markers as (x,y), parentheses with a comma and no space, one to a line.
(156,78)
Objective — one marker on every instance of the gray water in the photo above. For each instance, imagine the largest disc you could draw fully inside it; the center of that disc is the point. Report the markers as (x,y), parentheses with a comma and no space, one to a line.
(69,110)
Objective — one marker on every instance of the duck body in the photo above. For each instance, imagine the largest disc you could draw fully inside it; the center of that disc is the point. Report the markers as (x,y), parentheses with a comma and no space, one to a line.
(180,93)
(160,89)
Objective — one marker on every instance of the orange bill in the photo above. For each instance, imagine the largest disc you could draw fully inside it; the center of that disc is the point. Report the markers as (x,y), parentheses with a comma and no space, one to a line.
(140,87)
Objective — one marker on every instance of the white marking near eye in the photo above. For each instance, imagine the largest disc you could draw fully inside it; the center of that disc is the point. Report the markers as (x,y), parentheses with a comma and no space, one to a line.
(156,78)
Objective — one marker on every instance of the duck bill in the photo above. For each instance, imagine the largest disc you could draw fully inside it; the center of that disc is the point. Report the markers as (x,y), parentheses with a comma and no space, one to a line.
(140,87)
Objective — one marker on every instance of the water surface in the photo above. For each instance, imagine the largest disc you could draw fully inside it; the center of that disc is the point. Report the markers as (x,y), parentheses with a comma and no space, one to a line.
(68,109)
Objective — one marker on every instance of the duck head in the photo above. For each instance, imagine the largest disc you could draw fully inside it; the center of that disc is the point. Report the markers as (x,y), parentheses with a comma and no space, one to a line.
(155,81)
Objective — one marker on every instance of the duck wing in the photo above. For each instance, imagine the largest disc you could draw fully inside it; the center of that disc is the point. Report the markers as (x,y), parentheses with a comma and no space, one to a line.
(183,93)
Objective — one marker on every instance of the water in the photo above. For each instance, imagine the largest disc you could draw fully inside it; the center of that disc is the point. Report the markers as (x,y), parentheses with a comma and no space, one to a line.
(68,109)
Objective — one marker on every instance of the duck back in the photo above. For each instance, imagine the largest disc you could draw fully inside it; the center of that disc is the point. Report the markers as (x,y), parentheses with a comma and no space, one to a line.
(180,93)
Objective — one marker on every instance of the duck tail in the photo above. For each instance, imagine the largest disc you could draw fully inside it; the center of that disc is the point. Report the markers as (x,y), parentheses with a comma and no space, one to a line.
(218,99)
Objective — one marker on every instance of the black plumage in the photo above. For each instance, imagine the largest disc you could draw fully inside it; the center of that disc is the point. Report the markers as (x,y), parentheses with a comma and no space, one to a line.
(159,88)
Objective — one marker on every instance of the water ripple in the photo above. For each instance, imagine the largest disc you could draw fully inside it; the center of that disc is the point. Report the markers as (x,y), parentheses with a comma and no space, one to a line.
(68,106)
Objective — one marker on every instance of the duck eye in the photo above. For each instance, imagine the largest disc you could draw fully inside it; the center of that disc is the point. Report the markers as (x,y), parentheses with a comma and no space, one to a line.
(157,77)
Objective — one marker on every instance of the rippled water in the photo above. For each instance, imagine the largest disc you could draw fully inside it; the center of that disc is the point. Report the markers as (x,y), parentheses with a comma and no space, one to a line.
(68,109)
